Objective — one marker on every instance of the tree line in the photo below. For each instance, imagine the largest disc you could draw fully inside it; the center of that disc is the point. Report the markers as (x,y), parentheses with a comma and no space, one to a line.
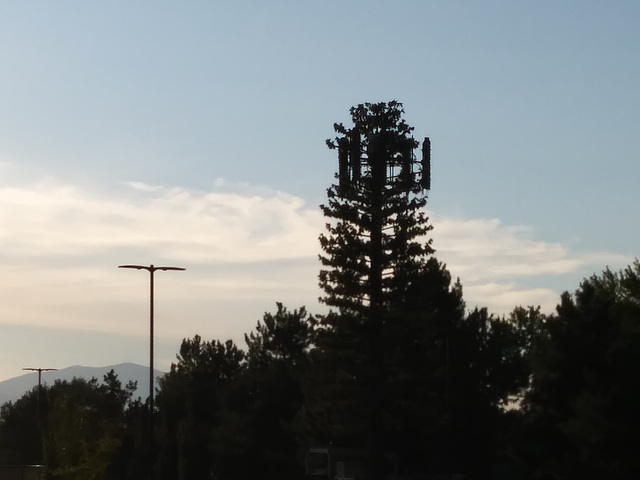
(400,364)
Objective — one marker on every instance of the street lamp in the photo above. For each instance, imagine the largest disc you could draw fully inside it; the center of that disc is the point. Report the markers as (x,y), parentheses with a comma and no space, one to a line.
(40,370)
(38,412)
(151,269)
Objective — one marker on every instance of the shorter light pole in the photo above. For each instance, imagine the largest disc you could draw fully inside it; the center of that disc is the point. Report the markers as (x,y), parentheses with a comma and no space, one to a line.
(38,412)
(151,269)
(40,370)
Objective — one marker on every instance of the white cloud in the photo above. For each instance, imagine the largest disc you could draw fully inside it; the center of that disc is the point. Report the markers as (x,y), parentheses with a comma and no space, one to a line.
(60,246)
(143,187)
(55,219)
(244,250)
(501,298)
(491,258)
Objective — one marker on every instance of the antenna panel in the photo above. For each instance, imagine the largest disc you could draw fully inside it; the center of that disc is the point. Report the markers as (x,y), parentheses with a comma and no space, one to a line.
(426,164)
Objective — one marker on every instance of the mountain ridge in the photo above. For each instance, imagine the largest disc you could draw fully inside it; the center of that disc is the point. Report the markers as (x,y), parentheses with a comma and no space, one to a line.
(14,388)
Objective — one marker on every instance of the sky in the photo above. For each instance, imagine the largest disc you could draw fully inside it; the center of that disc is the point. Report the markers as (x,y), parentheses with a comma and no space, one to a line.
(192,134)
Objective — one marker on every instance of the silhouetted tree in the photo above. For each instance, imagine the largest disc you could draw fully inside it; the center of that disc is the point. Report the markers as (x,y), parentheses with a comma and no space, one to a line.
(194,404)
(20,430)
(231,414)
(82,426)
(276,361)
(132,459)
(85,426)
(375,247)
(398,361)
(451,375)
(581,415)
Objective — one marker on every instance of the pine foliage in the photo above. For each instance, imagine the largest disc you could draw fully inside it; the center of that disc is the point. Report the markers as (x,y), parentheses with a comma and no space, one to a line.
(376,234)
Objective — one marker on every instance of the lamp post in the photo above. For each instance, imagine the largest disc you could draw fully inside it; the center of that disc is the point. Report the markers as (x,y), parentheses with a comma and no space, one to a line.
(151,269)
(38,412)
(40,370)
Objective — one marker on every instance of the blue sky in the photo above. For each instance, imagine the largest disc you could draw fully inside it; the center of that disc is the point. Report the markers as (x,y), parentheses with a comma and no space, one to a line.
(192,134)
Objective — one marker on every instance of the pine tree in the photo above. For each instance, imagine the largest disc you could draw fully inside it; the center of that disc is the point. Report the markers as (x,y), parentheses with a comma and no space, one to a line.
(377,238)
(375,247)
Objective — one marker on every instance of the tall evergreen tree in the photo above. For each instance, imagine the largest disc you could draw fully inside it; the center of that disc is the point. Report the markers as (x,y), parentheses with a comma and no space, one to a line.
(374,248)
(376,241)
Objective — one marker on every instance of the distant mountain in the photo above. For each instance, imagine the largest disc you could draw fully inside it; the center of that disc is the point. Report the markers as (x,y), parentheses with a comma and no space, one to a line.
(14,388)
